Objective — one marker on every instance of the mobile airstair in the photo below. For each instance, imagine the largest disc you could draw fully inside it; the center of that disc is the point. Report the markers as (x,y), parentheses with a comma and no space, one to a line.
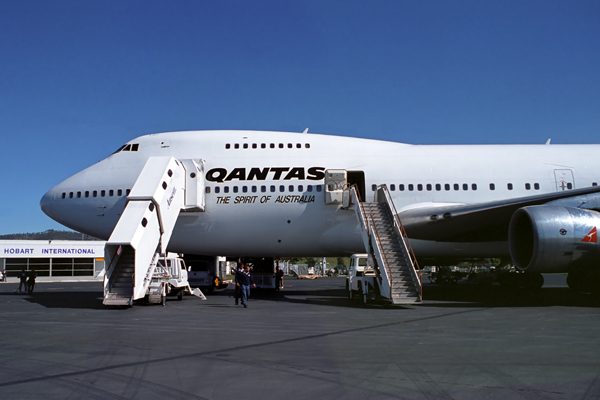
(397,275)
(164,188)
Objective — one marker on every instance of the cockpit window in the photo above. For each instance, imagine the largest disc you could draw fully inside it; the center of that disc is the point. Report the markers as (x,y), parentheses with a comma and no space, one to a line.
(128,147)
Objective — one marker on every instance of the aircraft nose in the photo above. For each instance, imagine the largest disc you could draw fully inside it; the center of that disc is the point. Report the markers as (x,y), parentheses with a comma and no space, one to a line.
(46,203)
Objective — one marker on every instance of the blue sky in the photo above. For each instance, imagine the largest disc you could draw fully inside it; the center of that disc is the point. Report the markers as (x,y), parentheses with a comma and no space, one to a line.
(79,78)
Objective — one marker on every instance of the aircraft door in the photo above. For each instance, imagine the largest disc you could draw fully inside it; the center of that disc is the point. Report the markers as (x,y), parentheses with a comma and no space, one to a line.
(335,183)
(358,178)
(194,185)
(564,179)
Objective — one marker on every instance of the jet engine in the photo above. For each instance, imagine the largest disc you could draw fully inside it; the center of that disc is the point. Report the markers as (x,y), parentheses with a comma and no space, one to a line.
(554,239)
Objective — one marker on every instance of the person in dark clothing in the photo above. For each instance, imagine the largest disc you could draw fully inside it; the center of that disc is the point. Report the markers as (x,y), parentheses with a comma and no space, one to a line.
(245,280)
(279,277)
(22,281)
(238,287)
(31,281)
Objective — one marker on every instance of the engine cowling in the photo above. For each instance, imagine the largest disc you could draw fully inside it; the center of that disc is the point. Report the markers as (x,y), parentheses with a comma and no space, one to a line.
(553,238)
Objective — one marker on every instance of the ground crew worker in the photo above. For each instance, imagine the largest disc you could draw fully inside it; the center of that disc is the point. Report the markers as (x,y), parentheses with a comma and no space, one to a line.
(245,280)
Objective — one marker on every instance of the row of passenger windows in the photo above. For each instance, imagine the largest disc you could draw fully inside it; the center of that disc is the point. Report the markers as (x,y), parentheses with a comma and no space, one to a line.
(447,187)
(263,189)
(264,145)
(95,193)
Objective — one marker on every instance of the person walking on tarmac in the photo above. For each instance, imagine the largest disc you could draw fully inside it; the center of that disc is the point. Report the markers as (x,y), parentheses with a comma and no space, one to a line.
(238,287)
(246,280)
(22,281)
(31,281)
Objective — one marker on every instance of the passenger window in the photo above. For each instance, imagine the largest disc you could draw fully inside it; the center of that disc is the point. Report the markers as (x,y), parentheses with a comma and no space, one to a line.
(95,193)
(263,145)
(237,145)
(78,195)
(307,145)
(126,193)
(207,190)
(401,187)
(411,187)
(111,193)
(245,145)
(291,187)
(272,188)
(263,189)
(492,186)
(290,145)
(300,188)
(419,187)
(438,187)
(64,195)
(244,189)
(373,187)
(536,186)
(298,146)
(473,186)
(309,188)
(281,188)
(254,145)
(226,189)
(87,194)
(509,186)
(447,186)
(456,186)
(102,193)
(527,186)
(320,188)
(429,187)
(217,189)
(465,186)
(569,186)
(253,189)
(272,145)
(120,192)
(235,189)
(70,195)
(593,183)
(281,145)
(227,146)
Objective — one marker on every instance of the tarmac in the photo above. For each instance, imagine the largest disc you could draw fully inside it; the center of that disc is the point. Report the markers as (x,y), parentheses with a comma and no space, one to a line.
(308,341)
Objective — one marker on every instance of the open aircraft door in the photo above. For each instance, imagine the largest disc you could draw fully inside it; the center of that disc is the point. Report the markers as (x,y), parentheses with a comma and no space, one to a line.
(194,185)
(335,183)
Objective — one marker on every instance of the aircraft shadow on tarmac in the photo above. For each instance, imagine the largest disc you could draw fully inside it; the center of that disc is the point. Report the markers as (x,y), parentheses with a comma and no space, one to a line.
(460,295)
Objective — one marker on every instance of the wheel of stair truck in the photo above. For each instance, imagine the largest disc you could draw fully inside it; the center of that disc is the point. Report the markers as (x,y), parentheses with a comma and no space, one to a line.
(163,299)
(180,295)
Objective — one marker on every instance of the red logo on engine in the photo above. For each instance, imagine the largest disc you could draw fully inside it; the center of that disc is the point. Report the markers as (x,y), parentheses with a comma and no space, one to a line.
(591,237)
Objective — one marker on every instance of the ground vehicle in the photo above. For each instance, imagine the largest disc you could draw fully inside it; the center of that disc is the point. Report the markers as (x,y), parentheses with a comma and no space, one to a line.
(361,276)
(263,271)
(206,272)
(170,278)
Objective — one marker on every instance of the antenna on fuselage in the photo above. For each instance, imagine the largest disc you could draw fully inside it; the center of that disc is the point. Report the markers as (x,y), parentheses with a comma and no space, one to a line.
(305,131)
(548,141)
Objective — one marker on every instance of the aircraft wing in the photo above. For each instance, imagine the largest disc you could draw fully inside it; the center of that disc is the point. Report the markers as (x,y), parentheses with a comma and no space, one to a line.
(483,222)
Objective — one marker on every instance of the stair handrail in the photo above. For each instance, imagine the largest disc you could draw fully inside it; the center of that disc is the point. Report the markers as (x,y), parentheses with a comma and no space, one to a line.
(382,252)
(405,241)
(355,196)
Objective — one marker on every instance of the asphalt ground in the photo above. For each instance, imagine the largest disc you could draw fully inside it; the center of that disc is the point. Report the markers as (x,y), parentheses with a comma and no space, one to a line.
(307,342)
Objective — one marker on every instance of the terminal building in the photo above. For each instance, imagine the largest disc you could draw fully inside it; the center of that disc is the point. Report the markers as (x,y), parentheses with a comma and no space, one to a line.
(53,257)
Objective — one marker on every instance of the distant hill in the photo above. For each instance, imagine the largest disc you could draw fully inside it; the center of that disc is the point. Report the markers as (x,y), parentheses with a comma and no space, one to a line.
(50,234)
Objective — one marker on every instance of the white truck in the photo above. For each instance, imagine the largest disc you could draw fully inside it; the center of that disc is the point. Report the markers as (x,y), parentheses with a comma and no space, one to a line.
(360,280)
(170,277)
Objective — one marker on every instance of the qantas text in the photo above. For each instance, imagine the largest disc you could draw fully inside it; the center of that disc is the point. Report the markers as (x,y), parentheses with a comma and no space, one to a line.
(261,174)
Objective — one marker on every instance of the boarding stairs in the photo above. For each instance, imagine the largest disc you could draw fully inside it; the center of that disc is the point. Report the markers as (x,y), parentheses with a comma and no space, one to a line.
(398,276)
(164,188)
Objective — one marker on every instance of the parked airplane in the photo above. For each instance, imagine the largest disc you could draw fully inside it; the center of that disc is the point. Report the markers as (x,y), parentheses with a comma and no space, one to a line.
(268,194)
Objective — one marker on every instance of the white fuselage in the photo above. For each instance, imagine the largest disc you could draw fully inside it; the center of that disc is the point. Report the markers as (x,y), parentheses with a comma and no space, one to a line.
(275,214)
